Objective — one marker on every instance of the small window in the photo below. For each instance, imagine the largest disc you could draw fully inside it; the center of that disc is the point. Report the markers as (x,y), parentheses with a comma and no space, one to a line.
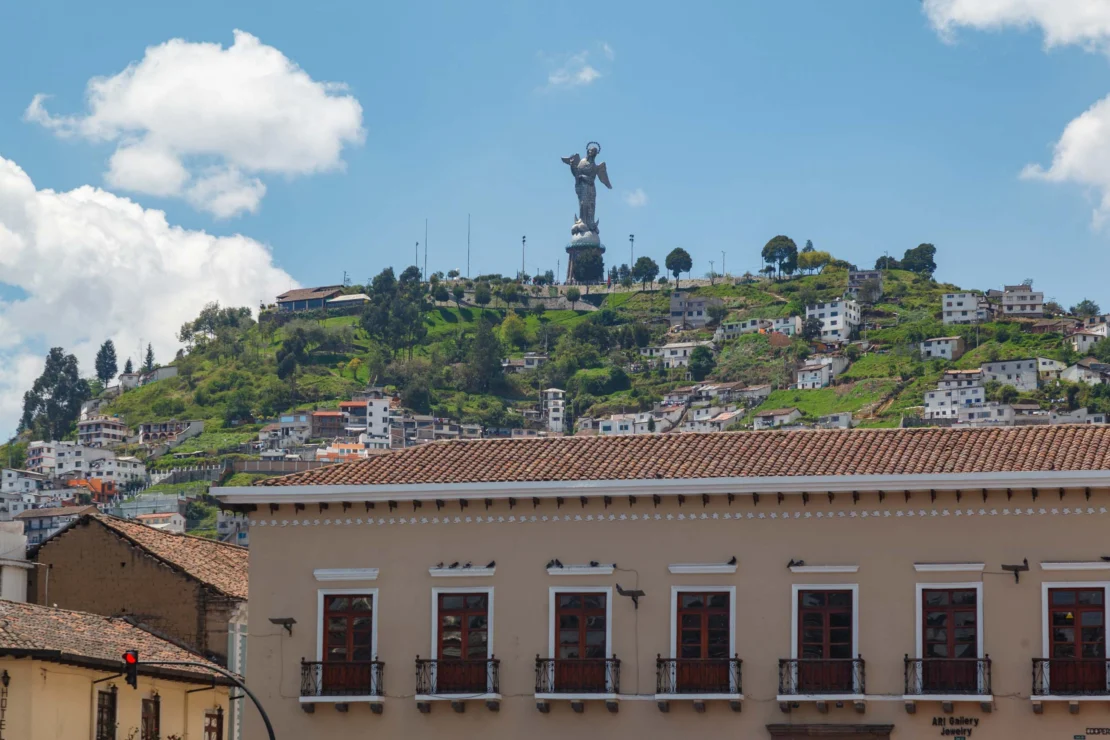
(151,719)
(106,714)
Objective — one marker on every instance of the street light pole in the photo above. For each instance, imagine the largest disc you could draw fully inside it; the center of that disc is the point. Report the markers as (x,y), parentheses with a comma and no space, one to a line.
(523,240)
(723,271)
(631,245)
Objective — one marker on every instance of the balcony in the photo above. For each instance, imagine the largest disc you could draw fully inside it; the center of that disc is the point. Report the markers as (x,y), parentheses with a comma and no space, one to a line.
(458,681)
(698,681)
(821,680)
(1069,679)
(577,680)
(948,680)
(342,683)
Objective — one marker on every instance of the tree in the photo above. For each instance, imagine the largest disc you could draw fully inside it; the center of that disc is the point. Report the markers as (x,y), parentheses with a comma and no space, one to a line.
(452,274)
(701,362)
(293,352)
(651,424)
(808,247)
(588,267)
(538,309)
(1086,308)
(870,291)
(813,260)
(887,262)
(441,294)
(677,262)
(458,292)
(106,363)
(782,252)
(716,312)
(1052,308)
(514,331)
(624,271)
(148,363)
(53,404)
(483,359)
(128,367)
(645,271)
(811,329)
(482,295)
(920,259)
(573,294)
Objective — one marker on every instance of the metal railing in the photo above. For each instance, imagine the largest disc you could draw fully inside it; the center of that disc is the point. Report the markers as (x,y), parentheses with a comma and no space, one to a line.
(802,676)
(1070,677)
(452,677)
(578,675)
(697,676)
(361,678)
(971,676)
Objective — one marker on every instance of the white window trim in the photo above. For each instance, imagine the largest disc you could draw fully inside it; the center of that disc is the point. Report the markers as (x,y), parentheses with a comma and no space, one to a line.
(345,574)
(581,570)
(919,635)
(949,567)
(1045,587)
(434,649)
(675,591)
(824,568)
(701,568)
(1076,565)
(460,572)
(552,594)
(375,608)
(794,591)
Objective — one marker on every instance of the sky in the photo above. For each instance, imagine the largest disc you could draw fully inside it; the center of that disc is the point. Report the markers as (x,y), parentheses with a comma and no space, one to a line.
(155,157)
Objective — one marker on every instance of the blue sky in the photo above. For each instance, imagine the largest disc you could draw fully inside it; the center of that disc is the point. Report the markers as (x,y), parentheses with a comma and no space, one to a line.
(855,125)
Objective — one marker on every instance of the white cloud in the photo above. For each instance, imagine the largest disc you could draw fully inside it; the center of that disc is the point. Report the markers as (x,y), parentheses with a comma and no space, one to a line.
(1083,22)
(575,71)
(1082,155)
(186,108)
(608,51)
(636,198)
(90,266)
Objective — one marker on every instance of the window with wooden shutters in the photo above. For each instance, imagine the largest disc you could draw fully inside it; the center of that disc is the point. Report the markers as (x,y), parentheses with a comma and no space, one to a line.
(581,630)
(825,641)
(214,724)
(463,642)
(703,642)
(106,714)
(1077,640)
(348,641)
(950,639)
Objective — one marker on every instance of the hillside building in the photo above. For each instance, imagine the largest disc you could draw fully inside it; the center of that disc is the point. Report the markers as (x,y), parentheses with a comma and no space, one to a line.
(943,348)
(1022,301)
(1021,374)
(839,319)
(957,389)
(307,299)
(102,431)
(690,311)
(965,308)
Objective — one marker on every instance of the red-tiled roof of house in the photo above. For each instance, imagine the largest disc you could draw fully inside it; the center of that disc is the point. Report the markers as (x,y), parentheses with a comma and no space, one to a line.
(90,639)
(308,294)
(220,565)
(352,404)
(61,511)
(777,412)
(727,454)
(327,413)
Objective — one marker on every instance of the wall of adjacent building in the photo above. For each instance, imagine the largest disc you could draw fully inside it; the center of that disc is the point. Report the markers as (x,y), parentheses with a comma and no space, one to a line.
(884,538)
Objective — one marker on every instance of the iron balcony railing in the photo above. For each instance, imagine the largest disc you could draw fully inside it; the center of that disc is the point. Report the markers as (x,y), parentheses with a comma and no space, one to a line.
(355,678)
(970,676)
(454,677)
(578,675)
(1070,677)
(690,676)
(806,676)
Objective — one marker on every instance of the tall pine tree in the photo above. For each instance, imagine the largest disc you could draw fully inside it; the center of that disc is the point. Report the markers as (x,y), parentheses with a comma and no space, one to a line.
(148,363)
(106,363)
(128,367)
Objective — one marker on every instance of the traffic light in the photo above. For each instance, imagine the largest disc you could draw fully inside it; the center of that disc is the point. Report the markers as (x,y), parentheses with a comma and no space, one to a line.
(131,668)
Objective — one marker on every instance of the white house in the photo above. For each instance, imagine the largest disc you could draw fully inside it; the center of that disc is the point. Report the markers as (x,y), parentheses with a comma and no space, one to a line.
(964,308)
(680,396)
(168,522)
(1022,300)
(1079,416)
(839,420)
(1049,369)
(122,470)
(789,325)
(14,480)
(739,327)
(1082,341)
(813,375)
(689,310)
(1088,370)
(987,414)
(775,418)
(1021,374)
(945,348)
(956,389)
(619,424)
(158,373)
(705,418)
(554,408)
(857,279)
(675,354)
(838,318)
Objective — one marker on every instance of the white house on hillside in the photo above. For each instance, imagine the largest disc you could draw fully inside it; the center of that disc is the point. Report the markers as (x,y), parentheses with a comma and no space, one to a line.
(1022,300)
(1049,369)
(772,418)
(1082,341)
(838,318)
(945,348)
(690,310)
(1021,374)
(676,354)
(739,327)
(964,308)
(791,326)
(957,388)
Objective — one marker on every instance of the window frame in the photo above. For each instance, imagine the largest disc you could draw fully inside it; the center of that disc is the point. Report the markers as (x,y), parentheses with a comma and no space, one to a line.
(1046,627)
(919,613)
(552,609)
(321,595)
(154,702)
(438,591)
(111,731)
(676,591)
(219,715)
(797,588)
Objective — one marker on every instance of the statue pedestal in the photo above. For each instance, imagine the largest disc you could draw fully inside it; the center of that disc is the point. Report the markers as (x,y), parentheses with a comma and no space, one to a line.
(577,246)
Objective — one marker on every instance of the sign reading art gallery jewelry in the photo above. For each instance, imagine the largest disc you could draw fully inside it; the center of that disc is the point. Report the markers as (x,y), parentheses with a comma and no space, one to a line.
(957,727)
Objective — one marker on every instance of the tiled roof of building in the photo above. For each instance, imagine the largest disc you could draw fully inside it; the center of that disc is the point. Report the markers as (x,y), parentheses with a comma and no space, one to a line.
(307,294)
(62,511)
(79,637)
(728,454)
(777,412)
(217,564)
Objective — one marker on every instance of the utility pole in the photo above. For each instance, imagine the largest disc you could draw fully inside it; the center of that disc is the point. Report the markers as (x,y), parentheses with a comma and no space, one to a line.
(711,273)
(723,272)
(416,256)
(425,249)
(523,241)
(468,246)
(631,250)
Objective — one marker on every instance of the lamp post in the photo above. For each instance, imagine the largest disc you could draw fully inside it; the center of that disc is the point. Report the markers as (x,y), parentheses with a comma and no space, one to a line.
(631,245)
(523,241)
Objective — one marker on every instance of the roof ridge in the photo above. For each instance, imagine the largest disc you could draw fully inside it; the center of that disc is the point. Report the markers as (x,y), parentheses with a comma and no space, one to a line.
(185,535)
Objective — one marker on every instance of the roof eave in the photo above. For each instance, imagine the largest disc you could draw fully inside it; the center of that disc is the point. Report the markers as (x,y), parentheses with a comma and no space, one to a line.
(1021,480)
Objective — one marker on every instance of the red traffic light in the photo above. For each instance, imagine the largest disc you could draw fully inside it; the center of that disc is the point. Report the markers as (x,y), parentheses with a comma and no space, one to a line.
(131,657)
(131,668)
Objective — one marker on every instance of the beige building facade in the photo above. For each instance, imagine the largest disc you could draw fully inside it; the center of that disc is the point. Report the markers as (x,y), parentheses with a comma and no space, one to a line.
(853,584)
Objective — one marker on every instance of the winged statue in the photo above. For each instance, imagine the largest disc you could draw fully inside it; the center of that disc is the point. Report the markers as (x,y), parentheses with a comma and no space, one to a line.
(584,171)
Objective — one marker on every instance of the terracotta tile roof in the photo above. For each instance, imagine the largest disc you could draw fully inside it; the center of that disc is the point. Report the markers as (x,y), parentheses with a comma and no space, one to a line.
(218,564)
(308,294)
(777,412)
(62,511)
(40,630)
(727,454)
(327,413)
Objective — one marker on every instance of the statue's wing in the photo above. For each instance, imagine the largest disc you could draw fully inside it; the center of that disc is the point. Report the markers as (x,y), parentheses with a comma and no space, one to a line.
(603,175)
(572,160)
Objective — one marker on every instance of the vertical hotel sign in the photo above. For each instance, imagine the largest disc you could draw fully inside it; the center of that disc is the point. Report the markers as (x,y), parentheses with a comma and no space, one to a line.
(4,704)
